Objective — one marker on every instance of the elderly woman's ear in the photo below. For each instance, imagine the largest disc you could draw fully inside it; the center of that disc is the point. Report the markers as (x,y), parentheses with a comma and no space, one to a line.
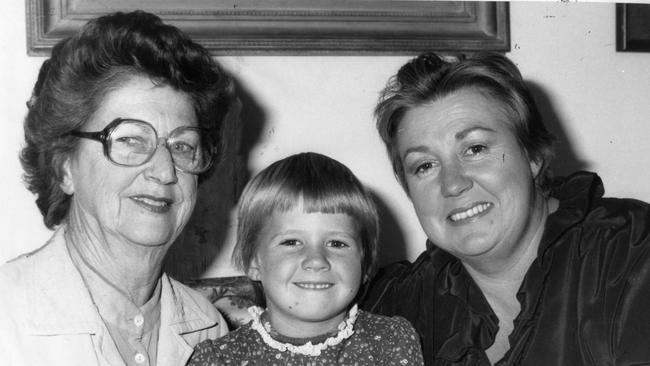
(67,184)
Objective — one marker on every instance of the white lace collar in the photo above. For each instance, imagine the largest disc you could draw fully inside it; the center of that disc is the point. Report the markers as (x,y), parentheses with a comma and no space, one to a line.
(346,329)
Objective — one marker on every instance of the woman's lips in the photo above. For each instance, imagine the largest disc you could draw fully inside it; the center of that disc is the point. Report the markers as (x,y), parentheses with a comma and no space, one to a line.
(470,213)
(153,204)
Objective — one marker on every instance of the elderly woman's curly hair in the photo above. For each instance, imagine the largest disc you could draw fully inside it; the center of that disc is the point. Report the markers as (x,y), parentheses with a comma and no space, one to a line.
(104,54)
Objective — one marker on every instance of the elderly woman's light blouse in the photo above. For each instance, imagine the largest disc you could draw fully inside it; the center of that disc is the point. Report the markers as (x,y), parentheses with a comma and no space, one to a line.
(45,317)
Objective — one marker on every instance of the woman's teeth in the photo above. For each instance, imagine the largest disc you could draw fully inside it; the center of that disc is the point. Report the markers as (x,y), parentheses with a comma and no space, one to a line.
(470,212)
(151,202)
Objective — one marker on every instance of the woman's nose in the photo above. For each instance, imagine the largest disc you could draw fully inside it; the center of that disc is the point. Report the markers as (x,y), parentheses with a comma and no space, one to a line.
(454,181)
(161,166)
(315,260)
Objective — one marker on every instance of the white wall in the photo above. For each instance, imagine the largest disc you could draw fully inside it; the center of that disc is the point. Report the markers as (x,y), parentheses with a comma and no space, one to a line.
(596,96)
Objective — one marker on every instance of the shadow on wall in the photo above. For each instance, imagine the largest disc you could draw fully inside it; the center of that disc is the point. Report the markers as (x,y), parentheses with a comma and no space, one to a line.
(204,236)
(391,242)
(566,159)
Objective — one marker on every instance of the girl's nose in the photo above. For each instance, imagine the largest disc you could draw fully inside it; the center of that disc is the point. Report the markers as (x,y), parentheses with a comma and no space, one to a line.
(315,260)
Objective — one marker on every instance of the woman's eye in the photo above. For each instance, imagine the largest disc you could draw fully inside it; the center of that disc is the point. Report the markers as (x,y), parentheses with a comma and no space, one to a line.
(424,168)
(337,244)
(131,144)
(290,242)
(475,150)
(131,140)
(182,147)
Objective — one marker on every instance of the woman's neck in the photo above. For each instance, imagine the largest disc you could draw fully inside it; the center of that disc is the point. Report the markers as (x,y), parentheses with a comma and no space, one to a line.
(131,268)
(500,282)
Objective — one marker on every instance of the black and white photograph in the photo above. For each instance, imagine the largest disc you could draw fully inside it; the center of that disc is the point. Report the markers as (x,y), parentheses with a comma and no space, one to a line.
(284,182)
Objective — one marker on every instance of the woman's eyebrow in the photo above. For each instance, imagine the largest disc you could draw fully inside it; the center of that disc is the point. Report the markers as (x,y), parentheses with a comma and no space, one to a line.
(414,149)
(463,133)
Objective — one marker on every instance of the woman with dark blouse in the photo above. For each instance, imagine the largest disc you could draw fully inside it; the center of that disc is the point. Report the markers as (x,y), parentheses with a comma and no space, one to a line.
(519,269)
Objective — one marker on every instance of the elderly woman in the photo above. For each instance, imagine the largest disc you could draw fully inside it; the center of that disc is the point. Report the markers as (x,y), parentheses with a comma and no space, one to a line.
(518,270)
(123,121)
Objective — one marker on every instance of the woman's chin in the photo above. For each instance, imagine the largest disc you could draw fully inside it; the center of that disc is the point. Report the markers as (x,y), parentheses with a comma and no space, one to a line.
(472,247)
(147,238)
(148,230)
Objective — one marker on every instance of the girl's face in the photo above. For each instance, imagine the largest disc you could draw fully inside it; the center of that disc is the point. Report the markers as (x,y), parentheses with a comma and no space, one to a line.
(310,267)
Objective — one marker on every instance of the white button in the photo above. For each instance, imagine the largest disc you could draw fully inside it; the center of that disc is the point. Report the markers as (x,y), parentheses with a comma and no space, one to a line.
(139,358)
(138,320)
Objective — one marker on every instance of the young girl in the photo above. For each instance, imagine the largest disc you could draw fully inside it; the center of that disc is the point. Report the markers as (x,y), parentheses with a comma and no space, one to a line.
(308,231)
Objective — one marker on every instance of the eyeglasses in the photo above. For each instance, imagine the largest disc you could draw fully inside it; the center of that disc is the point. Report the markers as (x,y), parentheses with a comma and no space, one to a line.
(132,142)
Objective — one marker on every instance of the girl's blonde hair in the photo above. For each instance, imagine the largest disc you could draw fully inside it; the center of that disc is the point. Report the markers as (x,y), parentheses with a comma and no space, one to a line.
(320,184)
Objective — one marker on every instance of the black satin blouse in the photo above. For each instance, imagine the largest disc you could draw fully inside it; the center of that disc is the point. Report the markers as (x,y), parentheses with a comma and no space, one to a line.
(584,301)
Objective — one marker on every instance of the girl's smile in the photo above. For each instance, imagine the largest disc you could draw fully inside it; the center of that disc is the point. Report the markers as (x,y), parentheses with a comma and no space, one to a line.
(314,285)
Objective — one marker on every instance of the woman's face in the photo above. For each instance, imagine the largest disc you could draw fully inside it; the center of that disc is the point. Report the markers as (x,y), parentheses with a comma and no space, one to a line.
(469,180)
(146,205)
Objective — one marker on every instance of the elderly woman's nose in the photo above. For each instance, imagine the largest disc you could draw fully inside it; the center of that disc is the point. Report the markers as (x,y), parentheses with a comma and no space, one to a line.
(454,180)
(161,166)
(315,260)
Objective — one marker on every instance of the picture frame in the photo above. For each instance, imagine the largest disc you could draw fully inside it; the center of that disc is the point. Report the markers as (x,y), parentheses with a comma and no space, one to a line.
(633,27)
(253,27)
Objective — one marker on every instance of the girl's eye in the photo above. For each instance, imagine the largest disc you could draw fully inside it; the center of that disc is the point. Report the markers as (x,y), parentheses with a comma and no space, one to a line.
(475,150)
(290,242)
(337,244)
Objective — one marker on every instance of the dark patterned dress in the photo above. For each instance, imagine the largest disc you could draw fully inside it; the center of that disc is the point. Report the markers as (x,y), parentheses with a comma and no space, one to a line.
(377,340)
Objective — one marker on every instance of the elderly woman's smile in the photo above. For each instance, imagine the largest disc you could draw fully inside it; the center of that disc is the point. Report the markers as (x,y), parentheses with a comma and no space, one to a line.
(154,204)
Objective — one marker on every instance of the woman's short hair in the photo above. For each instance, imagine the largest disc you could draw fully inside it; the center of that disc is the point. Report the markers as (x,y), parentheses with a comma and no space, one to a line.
(102,56)
(320,184)
(429,77)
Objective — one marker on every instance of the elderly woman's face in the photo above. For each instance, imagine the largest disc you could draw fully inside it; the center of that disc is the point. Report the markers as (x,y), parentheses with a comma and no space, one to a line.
(148,204)
(468,179)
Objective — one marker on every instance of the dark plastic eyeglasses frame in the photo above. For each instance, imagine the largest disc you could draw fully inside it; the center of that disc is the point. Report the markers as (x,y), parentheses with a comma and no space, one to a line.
(103,137)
